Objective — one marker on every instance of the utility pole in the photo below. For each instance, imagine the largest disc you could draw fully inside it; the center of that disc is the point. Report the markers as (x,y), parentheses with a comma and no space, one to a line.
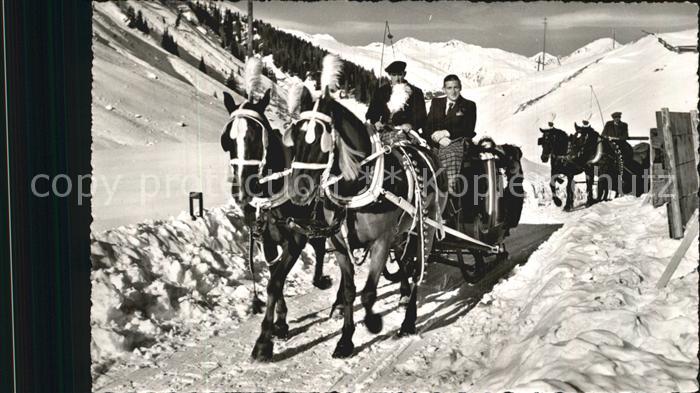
(387,34)
(250,28)
(544,43)
(613,37)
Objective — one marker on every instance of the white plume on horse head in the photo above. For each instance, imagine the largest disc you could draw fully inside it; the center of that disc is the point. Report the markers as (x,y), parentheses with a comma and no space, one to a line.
(253,71)
(332,68)
(552,116)
(399,97)
(294,99)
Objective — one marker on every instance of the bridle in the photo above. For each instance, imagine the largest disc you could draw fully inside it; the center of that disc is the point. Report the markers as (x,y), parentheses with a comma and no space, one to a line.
(241,115)
(240,161)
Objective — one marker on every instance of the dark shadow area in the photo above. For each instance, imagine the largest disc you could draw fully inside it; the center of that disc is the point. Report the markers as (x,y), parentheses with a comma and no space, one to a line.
(291,352)
(524,240)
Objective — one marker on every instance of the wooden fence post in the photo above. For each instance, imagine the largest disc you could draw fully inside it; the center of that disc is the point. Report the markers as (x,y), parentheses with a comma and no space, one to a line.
(694,128)
(674,207)
(691,234)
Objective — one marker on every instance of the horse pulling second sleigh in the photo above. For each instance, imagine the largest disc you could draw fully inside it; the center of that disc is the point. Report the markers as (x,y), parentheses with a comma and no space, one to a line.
(330,175)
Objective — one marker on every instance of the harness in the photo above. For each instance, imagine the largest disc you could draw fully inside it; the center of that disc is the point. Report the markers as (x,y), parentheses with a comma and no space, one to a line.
(240,161)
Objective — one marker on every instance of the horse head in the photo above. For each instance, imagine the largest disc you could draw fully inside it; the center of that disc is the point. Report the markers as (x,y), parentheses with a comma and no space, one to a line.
(583,145)
(247,136)
(554,142)
(326,139)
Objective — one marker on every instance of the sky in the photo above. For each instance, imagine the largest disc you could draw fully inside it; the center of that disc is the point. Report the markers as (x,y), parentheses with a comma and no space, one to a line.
(515,27)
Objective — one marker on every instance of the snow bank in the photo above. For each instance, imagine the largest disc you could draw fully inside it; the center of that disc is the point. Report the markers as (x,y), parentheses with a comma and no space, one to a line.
(584,314)
(160,284)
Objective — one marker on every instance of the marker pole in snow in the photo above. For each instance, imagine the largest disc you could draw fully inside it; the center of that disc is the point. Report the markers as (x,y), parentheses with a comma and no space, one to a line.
(257,304)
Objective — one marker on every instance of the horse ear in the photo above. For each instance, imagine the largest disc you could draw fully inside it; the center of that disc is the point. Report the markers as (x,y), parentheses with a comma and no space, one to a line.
(265,101)
(326,92)
(541,130)
(229,103)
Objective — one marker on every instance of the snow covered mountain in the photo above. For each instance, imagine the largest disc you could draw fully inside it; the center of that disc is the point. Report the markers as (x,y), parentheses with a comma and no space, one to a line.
(636,79)
(513,100)
(429,62)
(549,60)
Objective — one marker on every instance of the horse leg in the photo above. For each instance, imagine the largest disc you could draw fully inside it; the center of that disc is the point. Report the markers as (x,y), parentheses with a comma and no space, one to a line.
(345,347)
(553,187)
(262,351)
(280,328)
(338,303)
(570,190)
(590,200)
(320,281)
(379,254)
(404,291)
(408,326)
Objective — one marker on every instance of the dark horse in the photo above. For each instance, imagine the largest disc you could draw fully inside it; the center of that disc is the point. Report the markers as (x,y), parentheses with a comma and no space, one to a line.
(329,144)
(617,165)
(256,150)
(555,147)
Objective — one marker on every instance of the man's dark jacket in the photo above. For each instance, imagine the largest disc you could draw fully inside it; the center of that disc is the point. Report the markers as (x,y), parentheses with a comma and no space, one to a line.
(615,131)
(413,112)
(459,121)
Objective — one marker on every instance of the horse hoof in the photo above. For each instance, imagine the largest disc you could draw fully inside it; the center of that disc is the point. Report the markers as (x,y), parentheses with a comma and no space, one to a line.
(262,352)
(406,331)
(280,330)
(343,350)
(337,307)
(374,323)
(568,208)
(324,282)
(557,201)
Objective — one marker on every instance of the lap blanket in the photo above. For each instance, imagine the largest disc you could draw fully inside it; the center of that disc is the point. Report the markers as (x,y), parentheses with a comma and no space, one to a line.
(451,157)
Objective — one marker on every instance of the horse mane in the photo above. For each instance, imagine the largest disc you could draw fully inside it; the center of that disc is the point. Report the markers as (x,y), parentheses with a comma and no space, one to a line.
(348,160)
(348,157)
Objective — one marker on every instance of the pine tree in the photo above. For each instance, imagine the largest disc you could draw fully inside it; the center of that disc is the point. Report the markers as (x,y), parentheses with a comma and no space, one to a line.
(202,67)
(169,44)
(131,17)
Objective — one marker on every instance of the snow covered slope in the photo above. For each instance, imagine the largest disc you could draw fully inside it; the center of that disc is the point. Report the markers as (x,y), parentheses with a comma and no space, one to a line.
(156,119)
(583,314)
(597,47)
(160,283)
(637,79)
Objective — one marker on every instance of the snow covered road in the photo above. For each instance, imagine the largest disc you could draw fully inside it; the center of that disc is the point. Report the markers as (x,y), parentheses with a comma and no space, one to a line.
(303,362)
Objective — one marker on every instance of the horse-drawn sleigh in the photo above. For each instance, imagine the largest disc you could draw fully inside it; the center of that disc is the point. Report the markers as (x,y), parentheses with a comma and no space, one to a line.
(329,175)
